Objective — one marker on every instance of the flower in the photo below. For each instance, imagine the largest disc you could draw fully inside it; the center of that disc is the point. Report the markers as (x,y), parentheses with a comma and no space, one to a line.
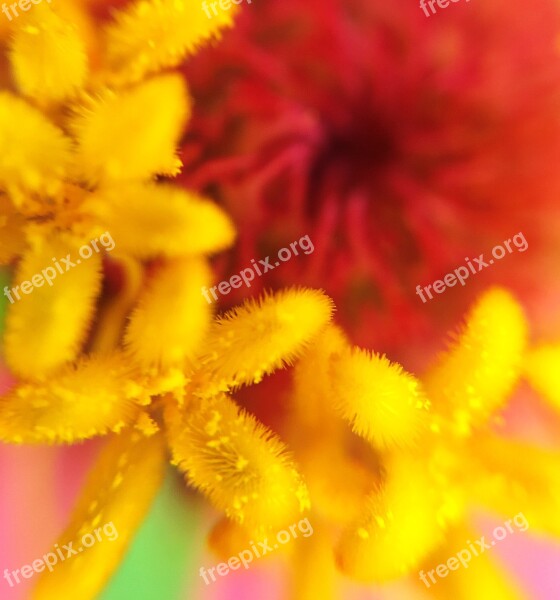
(388,462)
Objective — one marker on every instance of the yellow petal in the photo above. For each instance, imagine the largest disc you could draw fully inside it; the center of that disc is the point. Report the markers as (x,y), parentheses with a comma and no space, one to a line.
(339,481)
(77,403)
(258,337)
(482,578)
(475,377)
(311,397)
(11,232)
(46,326)
(117,495)
(399,526)
(385,404)
(133,135)
(511,477)
(542,369)
(239,464)
(48,56)
(172,316)
(37,154)
(315,574)
(151,34)
(180,223)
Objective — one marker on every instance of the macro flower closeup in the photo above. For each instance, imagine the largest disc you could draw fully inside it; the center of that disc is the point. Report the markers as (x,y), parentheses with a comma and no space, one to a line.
(280,300)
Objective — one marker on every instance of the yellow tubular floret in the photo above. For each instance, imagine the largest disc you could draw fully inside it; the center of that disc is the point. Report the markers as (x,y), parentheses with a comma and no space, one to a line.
(238,463)
(314,570)
(261,336)
(400,524)
(152,34)
(475,377)
(43,38)
(46,326)
(384,403)
(172,316)
(79,402)
(312,386)
(338,482)
(39,153)
(118,493)
(180,223)
(132,135)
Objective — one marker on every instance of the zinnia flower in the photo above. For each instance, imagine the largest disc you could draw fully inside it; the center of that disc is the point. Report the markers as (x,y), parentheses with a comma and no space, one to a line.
(387,462)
